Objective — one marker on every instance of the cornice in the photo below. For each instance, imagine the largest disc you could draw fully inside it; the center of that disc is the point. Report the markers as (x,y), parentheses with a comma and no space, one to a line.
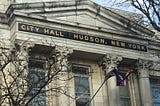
(154,45)
(74,24)
(88,6)
(3,18)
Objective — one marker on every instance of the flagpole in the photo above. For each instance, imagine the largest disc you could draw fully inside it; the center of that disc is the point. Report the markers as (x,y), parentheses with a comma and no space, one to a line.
(106,77)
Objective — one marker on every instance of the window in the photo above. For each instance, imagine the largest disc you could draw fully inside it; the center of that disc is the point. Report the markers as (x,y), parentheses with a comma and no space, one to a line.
(124,93)
(81,83)
(155,89)
(36,79)
(124,96)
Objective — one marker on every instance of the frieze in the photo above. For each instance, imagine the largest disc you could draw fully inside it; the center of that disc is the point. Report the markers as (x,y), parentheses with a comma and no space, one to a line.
(80,37)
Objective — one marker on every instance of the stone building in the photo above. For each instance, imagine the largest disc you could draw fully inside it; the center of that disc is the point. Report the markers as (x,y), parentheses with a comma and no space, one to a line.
(85,35)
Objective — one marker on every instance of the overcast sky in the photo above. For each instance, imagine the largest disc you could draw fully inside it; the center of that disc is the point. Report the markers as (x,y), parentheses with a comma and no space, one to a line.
(105,3)
(102,2)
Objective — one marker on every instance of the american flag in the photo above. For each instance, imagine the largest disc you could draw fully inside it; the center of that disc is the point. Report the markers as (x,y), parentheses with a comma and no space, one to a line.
(122,81)
(109,74)
(119,78)
(125,78)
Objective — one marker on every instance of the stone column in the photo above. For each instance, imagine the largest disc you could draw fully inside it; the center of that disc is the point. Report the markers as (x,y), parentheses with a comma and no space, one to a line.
(110,62)
(22,49)
(61,59)
(17,70)
(20,53)
(144,83)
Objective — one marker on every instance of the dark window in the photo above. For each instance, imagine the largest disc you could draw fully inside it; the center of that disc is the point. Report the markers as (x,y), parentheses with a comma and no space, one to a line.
(33,63)
(155,89)
(36,79)
(124,96)
(77,69)
(124,93)
(81,83)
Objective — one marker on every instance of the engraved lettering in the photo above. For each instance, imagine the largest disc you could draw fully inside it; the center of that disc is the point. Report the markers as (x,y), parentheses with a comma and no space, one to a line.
(51,32)
(31,28)
(102,41)
(60,34)
(75,36)
(134,46)
(27,28)
(91,39)
(23,27)
(138,47)
(46,31)
(97,40)
(113,43)
(86,38)
(81,37)
(57,33)
(118,43)
(37,29)
(122,44)
(142,47)
(130,45)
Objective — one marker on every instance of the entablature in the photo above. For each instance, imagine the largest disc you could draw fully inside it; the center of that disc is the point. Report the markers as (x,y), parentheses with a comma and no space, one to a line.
(44,9)
(78,45)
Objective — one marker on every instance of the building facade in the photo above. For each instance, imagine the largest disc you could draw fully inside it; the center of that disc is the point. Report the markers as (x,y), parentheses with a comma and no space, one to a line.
(87,41)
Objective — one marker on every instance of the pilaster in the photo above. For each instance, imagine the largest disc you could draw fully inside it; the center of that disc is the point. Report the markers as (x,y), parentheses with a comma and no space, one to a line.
(21,52)
(20,55)
(144,83)
(109,63)
(61,61)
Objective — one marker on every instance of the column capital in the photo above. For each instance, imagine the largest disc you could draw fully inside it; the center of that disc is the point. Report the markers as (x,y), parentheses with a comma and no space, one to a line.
(143,67)
(23,45)
(61,57)
(110,62)
(144,64)
(63,51)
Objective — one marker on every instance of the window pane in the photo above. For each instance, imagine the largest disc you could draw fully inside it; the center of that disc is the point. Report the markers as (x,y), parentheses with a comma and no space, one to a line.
(156,95)
(124,96)
(81,85)
(82,102)
(124,91)
(80,70)
(155,89)
(36,79)
(81,82)
(39,100)
(35,64)
(125,102)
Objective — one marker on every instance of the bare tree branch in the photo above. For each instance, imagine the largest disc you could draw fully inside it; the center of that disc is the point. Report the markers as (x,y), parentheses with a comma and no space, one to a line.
(149,8)
(16,88)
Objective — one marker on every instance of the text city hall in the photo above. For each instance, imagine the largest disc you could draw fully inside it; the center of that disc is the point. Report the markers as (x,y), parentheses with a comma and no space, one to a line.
(80,37)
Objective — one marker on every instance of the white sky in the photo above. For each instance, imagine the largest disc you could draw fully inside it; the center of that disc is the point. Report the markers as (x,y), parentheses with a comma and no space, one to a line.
(108,4)
(102,2)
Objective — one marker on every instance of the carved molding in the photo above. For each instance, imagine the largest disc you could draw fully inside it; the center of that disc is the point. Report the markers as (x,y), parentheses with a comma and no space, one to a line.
(144,67)
(110,62)
(61,58)
(23,45)
(144,64)
(20,54)
(156,66)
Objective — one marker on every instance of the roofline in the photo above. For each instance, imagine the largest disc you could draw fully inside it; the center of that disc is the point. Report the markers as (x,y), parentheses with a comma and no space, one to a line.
(97,10)
(73,24)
